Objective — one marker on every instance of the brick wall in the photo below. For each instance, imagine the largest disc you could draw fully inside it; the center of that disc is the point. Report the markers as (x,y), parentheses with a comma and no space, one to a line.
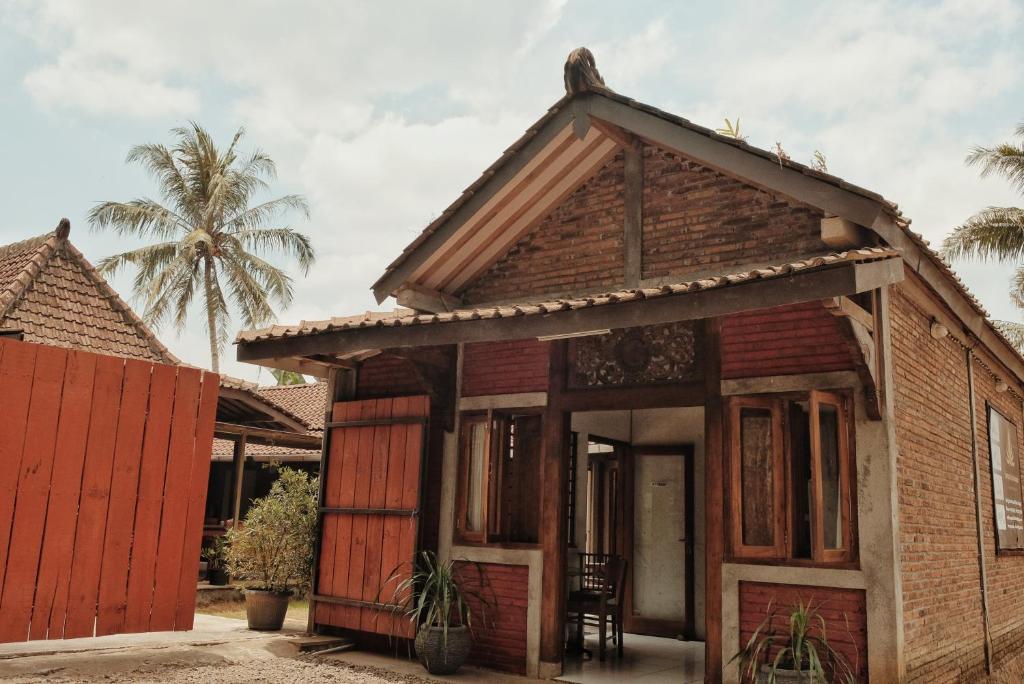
(804,338)
(499,630)
(387,376)
(935,480)
(696,219)
(505,367)
(843,610)
(578,247)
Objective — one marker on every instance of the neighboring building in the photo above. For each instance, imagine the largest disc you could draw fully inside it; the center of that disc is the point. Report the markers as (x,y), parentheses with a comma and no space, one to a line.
(51,294)
(621,284)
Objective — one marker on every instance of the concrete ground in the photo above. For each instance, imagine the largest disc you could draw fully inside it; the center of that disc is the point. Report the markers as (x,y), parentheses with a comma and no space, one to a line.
(218,649)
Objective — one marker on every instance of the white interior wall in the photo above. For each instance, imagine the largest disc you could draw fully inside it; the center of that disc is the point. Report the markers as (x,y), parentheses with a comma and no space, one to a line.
(649,427)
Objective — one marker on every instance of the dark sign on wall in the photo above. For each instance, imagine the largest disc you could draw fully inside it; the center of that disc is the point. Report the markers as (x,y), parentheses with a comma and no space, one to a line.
(1006,485)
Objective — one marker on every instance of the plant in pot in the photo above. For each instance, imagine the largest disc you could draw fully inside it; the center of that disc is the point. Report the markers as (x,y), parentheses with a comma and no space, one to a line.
(216,556)
(793,650)
(272,551)
(437,603)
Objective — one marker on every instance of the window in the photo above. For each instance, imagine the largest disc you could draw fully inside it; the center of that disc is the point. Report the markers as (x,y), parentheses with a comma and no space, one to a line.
(791,478)
(499,482)
(1006,484)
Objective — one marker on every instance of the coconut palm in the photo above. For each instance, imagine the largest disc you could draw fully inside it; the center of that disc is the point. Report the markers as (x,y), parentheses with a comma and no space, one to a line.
(997,232)
(206,238)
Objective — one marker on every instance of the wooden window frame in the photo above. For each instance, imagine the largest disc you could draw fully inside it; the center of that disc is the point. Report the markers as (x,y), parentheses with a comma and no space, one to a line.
(818,550)
(782,551)
(739,549)
(491,532)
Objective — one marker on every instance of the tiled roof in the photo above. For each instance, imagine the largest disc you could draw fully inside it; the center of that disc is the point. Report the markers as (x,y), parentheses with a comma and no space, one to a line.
(304,401)
(403,318)
(224,450)
(51,292)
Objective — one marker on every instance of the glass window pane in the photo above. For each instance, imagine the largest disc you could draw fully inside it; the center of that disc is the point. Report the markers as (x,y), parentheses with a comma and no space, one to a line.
(831,498)
(757,476)
(476,486)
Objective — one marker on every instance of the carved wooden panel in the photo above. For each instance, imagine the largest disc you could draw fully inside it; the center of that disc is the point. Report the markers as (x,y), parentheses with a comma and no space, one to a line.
(656,354)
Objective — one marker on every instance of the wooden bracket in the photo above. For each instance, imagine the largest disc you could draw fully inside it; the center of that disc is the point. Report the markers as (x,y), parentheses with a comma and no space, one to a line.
(424,299)
(858,327)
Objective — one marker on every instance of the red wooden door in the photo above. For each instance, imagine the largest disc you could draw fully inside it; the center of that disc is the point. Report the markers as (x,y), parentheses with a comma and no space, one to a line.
(370,512)
(103,472)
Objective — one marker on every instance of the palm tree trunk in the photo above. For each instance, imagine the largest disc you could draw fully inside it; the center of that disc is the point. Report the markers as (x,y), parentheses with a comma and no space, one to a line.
(211,315)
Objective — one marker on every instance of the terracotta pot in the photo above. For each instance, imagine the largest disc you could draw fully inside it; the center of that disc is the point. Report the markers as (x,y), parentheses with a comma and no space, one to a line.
(265,610)
(442,657)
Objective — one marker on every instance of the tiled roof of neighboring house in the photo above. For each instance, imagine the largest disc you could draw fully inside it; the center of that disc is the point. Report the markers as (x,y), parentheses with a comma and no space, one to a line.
(404,318)
(224,450)
(51,292)
(304,401)
(55,296)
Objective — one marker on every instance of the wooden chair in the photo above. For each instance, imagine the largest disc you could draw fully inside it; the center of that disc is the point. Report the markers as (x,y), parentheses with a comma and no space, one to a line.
(599,598)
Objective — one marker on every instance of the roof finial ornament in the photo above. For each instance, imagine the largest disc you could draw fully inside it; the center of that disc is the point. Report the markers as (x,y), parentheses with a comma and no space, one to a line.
(63,229)
(581,72)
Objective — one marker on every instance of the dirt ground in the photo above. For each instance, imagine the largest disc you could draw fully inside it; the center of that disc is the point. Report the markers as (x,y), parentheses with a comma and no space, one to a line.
(219,649)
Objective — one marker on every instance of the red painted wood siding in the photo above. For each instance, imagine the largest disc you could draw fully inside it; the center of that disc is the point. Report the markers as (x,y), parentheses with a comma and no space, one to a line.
(844,612)
(375,466)
(104,482)
(786,340)
(499,639)
(505,367)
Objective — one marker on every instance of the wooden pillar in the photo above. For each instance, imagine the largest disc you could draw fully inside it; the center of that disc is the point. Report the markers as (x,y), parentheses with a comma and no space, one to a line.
(238,474)
(714,504)
(553,520)
(633,198)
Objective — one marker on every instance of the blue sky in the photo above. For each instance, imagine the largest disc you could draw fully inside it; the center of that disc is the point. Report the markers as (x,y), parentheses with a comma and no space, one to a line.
(381,113)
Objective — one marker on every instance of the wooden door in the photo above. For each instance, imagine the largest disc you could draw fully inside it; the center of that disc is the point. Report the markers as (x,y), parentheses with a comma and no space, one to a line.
(370,510)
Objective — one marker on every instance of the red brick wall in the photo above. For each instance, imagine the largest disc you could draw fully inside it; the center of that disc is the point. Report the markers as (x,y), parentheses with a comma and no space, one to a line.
(499,630)
(578,247)
(505,367)
(387,376)
(843,610)
(804,338)
(935,479)
(696,219)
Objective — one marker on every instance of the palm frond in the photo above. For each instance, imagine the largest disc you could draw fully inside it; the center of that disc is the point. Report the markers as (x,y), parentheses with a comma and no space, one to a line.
(1014,332)
(1005,159)
(995,233)
(283,240)
(147,259)
(255,217)
(143,218)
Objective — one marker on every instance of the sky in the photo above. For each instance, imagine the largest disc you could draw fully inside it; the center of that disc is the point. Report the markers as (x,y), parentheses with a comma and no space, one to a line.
(381,113)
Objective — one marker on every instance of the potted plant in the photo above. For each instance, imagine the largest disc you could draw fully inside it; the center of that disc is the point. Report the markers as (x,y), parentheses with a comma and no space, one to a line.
(434,600)
(216,556)
(797,651)
(272,551)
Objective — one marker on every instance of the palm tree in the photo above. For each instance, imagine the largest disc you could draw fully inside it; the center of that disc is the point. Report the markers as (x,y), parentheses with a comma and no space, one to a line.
(997,232)
(206,238)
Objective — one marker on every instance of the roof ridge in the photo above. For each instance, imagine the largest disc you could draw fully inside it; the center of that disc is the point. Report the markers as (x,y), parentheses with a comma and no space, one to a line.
(44,247)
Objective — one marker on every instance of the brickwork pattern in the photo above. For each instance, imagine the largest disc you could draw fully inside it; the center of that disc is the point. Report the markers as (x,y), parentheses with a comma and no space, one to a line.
(844,612)
(499,627)
(505,367)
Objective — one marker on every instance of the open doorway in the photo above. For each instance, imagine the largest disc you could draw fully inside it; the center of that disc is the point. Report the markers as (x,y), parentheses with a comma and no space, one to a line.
(636,492)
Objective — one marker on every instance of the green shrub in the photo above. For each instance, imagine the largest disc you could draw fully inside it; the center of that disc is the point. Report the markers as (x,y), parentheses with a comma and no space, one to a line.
(273,549)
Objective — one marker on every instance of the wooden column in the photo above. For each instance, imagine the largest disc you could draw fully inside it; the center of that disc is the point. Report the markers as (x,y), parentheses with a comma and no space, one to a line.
(633,198)
(553,519)
(238,474)
(714,504)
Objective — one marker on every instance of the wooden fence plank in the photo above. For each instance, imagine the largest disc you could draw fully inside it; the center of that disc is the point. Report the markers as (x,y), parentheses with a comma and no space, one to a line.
(33,491)
(414,446)
(391,556)
(202,448)
(16,373)
(124,486)
(175,509)
(92,511)
(149,505)
(357,548)
(375,523)
(51,595)
(332,475)
(346,483)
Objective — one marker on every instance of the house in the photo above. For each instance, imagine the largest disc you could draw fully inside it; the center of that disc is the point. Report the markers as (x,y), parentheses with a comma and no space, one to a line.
(51,294)
(748,378)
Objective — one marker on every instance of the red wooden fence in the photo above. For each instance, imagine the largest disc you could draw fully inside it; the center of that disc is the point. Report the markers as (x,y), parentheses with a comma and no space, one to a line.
(370,511)
(104,464)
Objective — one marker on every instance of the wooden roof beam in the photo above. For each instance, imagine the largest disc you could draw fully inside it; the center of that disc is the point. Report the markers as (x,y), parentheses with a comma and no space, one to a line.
(264,436)
(813,285)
